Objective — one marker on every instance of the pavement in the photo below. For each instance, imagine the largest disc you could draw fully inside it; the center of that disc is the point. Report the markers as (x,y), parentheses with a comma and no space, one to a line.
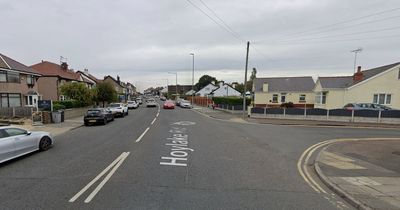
(55,129)
(173,159)
(366,173)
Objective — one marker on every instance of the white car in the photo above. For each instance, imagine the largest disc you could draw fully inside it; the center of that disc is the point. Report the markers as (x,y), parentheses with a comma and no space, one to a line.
(185,104)
(118,109)
(15,142)
(151,102)
(132,105)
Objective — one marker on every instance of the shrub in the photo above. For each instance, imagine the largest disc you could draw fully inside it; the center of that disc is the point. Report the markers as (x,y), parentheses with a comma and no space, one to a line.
(230,100)
(287,105)
(68,104)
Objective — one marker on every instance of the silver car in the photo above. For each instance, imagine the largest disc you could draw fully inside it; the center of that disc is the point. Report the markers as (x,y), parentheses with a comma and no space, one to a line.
(15,142)
(151,102)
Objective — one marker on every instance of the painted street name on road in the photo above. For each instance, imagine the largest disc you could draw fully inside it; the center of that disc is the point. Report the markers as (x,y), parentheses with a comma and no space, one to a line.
(179,150)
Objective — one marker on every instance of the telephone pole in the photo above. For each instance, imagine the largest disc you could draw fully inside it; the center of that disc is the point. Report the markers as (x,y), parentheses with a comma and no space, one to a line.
(245,81)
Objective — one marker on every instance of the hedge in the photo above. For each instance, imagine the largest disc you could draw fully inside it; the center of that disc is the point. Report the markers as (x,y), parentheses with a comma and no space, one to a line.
(230,100)
(67,104)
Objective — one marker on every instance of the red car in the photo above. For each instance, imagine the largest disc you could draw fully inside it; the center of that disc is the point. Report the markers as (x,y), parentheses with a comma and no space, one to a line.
(169,105)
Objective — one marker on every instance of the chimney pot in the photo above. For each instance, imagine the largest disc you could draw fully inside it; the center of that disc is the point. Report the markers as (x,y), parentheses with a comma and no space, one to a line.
(359,69)
(64,66)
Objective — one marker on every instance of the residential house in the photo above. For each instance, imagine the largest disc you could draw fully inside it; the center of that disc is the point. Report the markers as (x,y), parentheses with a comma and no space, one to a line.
(205,91)
(89,79)
(273,91)
(182,89)
(130,91)
(379,85)
(53,77)
(224,90)
(18,84)
(119,86)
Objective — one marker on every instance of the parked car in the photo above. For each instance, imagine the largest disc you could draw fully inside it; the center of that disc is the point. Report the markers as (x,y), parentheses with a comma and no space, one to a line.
(118,109)
(178,101)
(139,100)
(163,98)
(151,102)
(366,106)
(185,104)
(97,115)
(15,142)
(169,105)
(132,105)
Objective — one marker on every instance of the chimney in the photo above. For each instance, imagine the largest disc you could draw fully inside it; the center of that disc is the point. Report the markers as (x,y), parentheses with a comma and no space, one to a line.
(118,80)
(86,71)
(358,76)
(64,66)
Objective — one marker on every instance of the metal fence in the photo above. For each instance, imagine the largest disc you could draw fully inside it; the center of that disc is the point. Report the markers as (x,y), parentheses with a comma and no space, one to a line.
(391,116)
(16,111)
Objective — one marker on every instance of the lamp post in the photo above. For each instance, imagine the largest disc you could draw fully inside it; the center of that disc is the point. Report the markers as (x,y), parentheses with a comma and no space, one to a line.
(192,54)
(176,84)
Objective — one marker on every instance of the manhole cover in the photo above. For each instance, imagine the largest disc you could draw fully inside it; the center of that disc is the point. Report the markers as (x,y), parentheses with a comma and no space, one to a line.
(396,153)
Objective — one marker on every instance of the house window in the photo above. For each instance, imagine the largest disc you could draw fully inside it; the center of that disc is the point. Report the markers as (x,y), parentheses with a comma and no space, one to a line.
(30,80)
(275,98)
(382,98)
(320,98)
(3,76)
(13,77)
(283,97)
(10,100)
(302,98)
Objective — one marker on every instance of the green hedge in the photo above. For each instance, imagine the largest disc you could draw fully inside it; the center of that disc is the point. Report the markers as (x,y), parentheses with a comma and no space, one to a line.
(230,100)
(67,104)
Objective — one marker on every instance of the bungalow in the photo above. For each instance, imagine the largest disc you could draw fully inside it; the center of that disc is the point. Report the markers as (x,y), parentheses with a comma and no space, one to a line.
(18,84)
(225,90)
(205,91)
(379,85)
(273,91)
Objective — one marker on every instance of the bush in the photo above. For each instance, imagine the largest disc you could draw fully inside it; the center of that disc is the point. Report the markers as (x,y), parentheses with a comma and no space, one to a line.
(230,100)
(287,105)
(68,104)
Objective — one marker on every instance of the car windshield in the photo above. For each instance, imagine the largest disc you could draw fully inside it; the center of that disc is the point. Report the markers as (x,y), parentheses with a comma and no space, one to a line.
(114,105)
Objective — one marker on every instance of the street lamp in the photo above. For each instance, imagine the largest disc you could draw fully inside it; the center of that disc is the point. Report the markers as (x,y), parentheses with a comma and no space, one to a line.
(176,83)
(192,54)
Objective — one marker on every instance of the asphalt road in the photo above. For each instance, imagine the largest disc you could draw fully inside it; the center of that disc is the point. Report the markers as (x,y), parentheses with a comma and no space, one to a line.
(228,165)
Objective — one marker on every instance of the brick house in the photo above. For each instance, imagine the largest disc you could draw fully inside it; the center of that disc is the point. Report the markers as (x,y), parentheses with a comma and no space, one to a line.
(18,84)
(53,77)
(119,86)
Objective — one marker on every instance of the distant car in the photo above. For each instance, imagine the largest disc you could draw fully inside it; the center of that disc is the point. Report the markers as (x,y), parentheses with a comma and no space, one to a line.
(151,102)
(15,142)
(178,101)
(97,115)
(139,100)
(118,109)
(366,106)
(162,98)
(169,105)
(185,104)
(132,105)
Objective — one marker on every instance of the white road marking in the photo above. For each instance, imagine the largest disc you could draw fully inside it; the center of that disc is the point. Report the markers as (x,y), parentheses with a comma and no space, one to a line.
(102,183)
(96,178)
(152,122)
(158,114)
(141,136)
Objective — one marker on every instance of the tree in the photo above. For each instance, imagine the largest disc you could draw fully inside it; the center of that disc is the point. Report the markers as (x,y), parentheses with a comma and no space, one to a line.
(77,91)
(204,81)
(105,92)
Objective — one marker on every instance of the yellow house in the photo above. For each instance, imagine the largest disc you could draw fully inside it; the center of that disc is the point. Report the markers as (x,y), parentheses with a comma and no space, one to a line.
(379,85)
(273,91)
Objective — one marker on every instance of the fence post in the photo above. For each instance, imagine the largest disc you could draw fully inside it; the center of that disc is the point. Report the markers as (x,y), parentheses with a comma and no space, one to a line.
(265,112)
(352,115)
(305,112)
(284,112)
(13,111)
(327,114)
(379,116)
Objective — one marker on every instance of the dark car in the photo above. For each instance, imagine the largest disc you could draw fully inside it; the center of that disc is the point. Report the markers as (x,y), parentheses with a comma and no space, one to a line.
(97,115)
(366,106)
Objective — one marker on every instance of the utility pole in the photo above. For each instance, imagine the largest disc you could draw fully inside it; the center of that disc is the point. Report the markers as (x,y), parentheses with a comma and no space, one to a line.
(192,54)
(245,81)
(356,51)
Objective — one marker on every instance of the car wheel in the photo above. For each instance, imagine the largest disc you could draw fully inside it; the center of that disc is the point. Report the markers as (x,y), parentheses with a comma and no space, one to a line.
(127,112)
(105,121)
(45,143)
(112,118)
(86,123)
(123,114)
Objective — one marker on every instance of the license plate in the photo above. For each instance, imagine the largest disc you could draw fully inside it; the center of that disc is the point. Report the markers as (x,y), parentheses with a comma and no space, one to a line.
(92,121)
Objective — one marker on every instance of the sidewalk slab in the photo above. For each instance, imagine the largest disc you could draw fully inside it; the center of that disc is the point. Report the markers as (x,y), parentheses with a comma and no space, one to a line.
(374,182)
(55,129)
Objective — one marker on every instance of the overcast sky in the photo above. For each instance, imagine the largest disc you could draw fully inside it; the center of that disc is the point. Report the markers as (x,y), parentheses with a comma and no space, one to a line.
(143,40)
